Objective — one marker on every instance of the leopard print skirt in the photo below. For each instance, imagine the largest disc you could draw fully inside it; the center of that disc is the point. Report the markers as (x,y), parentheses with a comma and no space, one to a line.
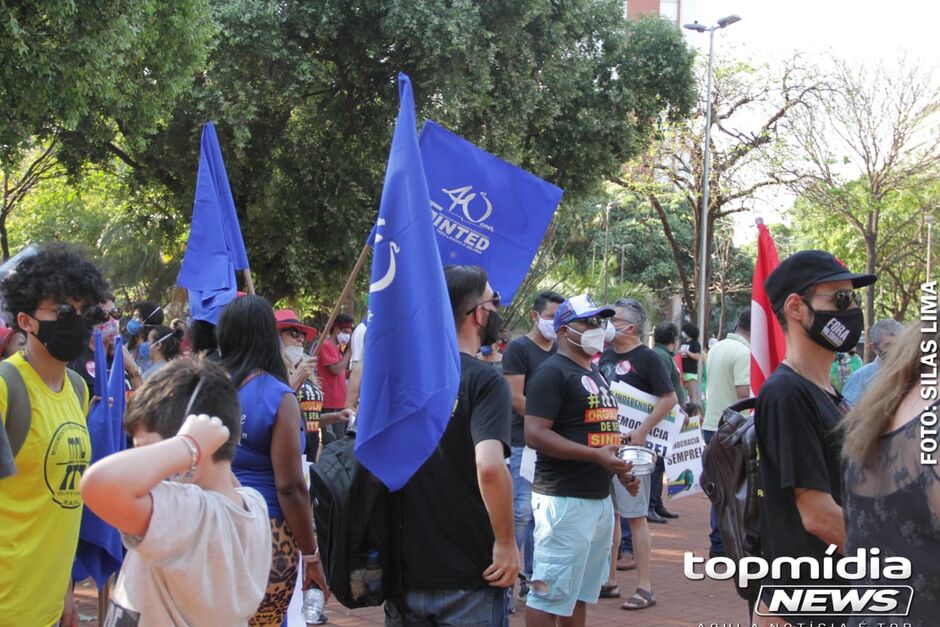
(281,579)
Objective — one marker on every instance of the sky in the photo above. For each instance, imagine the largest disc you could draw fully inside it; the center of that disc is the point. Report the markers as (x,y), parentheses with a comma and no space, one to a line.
(863,31)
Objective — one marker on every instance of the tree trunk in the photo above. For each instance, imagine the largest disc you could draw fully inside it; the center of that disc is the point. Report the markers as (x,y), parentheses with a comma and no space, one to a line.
(870,242)
(4,238)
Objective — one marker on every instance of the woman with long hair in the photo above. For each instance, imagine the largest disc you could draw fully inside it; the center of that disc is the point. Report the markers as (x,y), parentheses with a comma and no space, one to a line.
(891,497)
(269,453)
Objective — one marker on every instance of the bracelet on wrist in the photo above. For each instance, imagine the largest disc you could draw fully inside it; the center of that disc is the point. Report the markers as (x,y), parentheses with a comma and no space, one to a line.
(312,559)
(195,454)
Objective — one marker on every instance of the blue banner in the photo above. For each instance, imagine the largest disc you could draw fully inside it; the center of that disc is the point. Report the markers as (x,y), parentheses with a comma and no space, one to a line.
(100,553)
(406,402)
(215,249)
(486,212)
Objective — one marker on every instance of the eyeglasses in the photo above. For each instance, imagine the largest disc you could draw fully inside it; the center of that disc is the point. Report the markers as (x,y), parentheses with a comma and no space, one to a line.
(297,334)
(93,315)
(843,299)
(495,301)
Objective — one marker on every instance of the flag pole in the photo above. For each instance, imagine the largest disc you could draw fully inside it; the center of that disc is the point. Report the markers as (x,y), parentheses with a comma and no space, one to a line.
(346,290)
(249,284)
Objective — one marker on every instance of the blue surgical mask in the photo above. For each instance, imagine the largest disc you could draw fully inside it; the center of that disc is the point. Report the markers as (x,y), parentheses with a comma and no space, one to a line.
(134,326)
(144,350)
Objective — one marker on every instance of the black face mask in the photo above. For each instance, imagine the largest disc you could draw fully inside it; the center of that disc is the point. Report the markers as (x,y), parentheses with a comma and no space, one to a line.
(66,338)
(491,329)
(836,330)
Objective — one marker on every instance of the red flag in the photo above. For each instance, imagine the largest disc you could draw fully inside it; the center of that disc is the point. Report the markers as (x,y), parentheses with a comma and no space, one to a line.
(768,347)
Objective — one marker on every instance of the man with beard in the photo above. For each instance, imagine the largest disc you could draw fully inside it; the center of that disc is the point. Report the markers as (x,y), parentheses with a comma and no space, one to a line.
(458,548)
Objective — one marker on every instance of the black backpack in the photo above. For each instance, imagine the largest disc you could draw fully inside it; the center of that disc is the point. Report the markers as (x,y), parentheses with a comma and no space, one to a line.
(730,479)
(356,518)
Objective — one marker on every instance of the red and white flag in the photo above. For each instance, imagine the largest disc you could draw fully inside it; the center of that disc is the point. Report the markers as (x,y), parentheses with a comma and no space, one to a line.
(768,347)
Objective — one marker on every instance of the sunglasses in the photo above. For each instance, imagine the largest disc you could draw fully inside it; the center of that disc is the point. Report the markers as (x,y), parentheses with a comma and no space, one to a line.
(843,299)
(297,334)
(495,301)
(93,315)
(593,322)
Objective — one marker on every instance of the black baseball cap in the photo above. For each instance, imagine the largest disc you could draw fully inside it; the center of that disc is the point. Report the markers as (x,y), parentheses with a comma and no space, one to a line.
(807,268)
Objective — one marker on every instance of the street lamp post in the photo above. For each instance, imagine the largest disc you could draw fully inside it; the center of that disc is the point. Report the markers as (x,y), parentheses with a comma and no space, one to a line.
(929,219)
(606,240)
(707,162)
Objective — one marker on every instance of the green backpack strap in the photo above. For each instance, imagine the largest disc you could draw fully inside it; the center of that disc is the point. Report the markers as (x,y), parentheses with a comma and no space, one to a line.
(78,386)
(19,412)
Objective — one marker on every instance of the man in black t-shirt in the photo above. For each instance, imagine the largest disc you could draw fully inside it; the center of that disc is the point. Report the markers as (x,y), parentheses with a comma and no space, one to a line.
(796,417)
(571,421)
(630,361)
(458,548)
(520,359)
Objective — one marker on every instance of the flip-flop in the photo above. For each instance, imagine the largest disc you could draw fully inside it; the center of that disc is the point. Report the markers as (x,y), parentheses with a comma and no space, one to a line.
(640,600)
(609,592)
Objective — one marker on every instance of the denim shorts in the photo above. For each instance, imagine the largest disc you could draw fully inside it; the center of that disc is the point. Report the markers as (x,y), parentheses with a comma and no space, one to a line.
(483,607)
(573,540)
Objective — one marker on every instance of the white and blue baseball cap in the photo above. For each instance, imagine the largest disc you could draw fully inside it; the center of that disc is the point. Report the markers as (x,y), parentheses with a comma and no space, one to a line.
(578,308)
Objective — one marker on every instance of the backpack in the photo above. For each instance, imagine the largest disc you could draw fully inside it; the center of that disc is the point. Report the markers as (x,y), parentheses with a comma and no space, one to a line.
(356,519)
(730,479)
(19,411)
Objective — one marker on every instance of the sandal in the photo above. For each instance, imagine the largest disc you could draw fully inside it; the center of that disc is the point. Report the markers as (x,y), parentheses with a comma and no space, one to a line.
(609,592)
(640,600)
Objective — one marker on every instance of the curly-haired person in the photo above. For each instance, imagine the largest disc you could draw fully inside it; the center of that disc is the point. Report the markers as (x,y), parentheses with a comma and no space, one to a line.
(52,298)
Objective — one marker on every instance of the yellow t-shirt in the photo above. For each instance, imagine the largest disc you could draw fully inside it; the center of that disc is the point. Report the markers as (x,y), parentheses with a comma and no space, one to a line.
(40,507)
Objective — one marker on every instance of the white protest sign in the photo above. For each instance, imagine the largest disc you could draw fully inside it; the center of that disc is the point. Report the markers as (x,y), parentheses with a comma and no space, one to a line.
(635,406)
(684,462)
(527,466)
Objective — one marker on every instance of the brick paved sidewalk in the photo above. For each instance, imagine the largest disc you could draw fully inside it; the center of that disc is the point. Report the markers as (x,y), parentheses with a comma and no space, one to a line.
(679,602)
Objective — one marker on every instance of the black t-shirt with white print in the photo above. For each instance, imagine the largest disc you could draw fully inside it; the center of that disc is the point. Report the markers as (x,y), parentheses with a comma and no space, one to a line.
(640,367)
(582,409)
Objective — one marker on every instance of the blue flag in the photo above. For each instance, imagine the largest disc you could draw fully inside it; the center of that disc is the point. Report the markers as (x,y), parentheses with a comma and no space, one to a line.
(100,553)
(486,212)
(406,402)
(215,249)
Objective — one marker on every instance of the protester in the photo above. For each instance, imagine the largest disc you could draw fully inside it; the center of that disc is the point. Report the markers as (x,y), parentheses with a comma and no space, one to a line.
(145,316)
(571,421)
(892,497)
(521,358)
(357,343)
(729,380)
(882,336)
(458,548)
(163,345)
(199,548)
(51,297)
(665,340)
(331,371)
(269,452)
(186,345)
(11,342)
(205,341)
(301,378)
(84,365)
(490,354)
(844,365)
(630,361)
(796,416)
(691,351)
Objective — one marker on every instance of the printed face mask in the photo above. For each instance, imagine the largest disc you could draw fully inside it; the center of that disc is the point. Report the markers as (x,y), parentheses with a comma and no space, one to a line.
(109,330)
(547,329)
(836,330)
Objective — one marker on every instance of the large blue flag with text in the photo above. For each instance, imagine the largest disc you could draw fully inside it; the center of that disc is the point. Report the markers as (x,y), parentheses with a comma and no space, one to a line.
(408,388)
(215,249)
(99,553)
(486,212)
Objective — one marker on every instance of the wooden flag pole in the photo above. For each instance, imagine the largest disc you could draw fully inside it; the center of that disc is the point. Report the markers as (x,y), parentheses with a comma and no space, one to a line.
(346,290)
(249,284)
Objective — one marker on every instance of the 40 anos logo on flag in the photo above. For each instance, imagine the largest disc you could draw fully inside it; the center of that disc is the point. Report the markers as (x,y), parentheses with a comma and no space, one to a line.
(464,222)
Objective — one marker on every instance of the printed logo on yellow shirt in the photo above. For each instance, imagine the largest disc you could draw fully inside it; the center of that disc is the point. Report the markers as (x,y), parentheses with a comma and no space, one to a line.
(66,460)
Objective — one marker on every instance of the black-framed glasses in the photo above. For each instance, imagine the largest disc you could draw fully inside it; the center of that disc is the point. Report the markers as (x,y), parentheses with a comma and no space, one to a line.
(297,334)
(843,299)
(64,311)
(495,302)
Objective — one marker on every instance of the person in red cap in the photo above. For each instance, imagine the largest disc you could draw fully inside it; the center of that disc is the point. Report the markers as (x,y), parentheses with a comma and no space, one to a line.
(301,371)
(331,370)
(796,418)
(11,342)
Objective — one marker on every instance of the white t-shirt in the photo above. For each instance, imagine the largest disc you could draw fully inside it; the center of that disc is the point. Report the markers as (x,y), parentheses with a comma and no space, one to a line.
(204,561)
(357,344)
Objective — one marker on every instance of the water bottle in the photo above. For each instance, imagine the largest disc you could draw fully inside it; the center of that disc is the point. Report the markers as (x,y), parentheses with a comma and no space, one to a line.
(373,575)
(313,605)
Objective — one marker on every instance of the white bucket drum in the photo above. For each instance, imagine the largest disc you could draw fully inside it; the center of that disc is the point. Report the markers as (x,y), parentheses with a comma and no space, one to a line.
(643,459)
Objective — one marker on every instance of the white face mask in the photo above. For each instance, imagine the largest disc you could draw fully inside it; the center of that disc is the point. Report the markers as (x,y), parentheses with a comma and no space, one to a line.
(293,354)
(547,329)
(592,340)
(610,332)
(343,338)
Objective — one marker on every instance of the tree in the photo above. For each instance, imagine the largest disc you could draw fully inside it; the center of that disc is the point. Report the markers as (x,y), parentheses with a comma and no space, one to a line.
(87,68)
(748,106)
(304,96)
(864,146)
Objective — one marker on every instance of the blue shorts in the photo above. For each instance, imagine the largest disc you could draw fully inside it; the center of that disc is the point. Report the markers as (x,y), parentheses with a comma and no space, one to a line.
(573,539)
